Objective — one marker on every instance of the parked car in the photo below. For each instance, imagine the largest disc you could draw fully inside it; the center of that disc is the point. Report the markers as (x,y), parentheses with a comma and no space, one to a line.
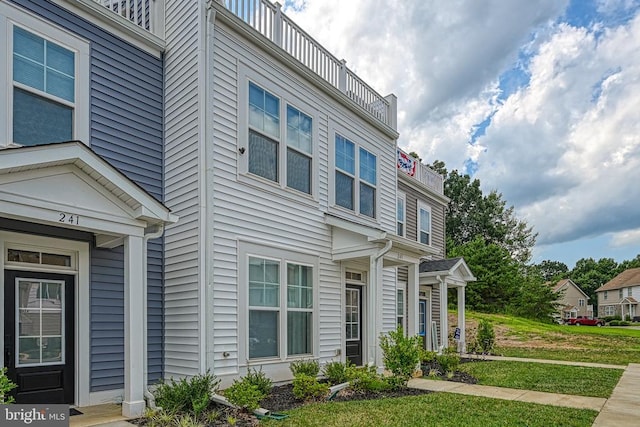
(584,320)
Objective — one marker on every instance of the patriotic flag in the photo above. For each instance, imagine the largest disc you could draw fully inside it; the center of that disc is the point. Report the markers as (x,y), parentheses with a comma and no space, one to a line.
(406,163)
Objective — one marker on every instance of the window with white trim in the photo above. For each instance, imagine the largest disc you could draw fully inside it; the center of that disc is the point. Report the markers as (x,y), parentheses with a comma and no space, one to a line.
(620,293)
(401,214)
(606,295)
(424,223)
(629,292)
(281,308)
(581,302)
(355,177)
(400,303)
(609,310)
(286,160)
(45,89)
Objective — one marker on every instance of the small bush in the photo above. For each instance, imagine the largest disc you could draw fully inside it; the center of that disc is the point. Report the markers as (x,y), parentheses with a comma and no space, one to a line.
(427,356)
(401,354)
(615,323)
(260,380)
(366,378)
(486,336)
(307,387)
(6,385)
(610,318)
(308,367)
(187,395)
(336,372)
(448,361)
(244,394)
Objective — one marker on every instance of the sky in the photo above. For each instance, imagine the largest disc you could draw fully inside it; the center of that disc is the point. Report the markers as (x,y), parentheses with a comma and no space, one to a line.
(539,100)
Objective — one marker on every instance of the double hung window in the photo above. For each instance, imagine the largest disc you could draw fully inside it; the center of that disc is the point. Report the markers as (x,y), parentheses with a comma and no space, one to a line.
(400,307)
(286,160)
(401,214)
(355,177)
(424,224)
(280,308)
(45,83)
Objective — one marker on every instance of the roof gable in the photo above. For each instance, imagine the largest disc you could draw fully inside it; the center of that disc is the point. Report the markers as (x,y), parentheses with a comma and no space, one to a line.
(627,278)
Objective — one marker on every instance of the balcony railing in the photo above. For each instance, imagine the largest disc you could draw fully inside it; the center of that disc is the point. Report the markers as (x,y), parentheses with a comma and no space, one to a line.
(146,14)
(267,18)
(423,173)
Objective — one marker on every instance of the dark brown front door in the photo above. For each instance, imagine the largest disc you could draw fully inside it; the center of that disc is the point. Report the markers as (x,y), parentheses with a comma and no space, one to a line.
(353,322)
(38,336)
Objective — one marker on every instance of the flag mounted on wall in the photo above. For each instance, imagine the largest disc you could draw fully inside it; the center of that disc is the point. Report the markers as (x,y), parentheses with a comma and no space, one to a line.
(406,163)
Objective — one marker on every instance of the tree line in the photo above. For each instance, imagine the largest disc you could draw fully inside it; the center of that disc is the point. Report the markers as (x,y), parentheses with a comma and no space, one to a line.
(497,246)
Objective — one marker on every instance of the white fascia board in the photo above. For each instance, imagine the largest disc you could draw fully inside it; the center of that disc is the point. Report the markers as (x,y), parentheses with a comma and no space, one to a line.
(364,230)
(77,153)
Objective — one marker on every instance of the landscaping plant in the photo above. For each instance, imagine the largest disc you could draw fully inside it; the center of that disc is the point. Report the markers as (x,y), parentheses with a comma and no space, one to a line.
(307,387)
(308,367)
(400,354)
(187,395)
(486,337)
(244,394)
(449,361)
(336,372)
(260,380)
(6,385)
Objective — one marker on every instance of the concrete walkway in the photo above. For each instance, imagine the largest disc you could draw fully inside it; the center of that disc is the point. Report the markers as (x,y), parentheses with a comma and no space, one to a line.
(620,410)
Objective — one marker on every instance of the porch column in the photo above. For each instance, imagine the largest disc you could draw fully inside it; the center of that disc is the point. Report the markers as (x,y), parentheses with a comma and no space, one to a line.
(374,311)
(413,298)
(444,324)
(461,320)
(133,403)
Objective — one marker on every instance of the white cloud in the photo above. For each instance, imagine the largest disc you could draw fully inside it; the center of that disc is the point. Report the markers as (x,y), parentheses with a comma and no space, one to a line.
(626,238)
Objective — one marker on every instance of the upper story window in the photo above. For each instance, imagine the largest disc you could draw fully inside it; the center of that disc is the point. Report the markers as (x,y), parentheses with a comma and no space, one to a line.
(401,214)
(46,85)
(289,160)
(424,224)
(629,292)
(581,302)
(606,294)
(620,293)
(355,178)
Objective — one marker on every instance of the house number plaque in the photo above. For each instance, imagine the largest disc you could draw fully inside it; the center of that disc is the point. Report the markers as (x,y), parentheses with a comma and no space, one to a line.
(68,218)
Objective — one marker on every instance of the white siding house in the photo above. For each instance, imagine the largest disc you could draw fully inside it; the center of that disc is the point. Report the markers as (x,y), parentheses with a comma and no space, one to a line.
(281,164)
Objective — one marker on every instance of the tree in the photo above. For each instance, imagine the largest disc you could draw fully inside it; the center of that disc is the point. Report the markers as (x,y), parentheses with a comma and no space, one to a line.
(471,214)
(590,274)
(551,271)
(534,299)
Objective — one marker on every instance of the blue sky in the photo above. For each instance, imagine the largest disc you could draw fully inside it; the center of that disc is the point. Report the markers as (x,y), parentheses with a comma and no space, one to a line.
(540,100)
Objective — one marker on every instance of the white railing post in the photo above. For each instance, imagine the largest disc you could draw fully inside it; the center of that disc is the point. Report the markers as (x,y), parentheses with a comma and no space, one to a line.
(156,16)
(277,25)
(392,111)
(342,77)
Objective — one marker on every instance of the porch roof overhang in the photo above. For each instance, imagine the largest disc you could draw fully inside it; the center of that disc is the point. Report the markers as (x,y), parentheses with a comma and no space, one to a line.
(353,241)
(453,271)
(68,185)
(629,300)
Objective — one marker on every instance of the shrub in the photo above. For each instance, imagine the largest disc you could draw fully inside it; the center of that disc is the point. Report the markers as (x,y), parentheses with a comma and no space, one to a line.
(448,361)
(615,323)
(366,378)
(244,394)
(6,385)
(610,318)
(307,387)
(336,372)
(427,356)
(401,354)
(187,395)
(486,336)
(308,367)
(260,380)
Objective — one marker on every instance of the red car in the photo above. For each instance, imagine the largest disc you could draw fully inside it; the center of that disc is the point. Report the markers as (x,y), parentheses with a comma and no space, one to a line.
(584,320)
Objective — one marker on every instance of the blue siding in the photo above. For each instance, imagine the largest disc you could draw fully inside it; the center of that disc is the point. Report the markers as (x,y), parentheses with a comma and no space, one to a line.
(126,101)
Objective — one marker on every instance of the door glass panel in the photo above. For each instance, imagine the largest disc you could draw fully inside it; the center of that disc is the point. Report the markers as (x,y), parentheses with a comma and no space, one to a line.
(39,323)
(352,314)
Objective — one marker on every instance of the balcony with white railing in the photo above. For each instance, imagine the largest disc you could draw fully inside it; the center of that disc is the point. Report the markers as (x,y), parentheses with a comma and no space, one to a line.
(267,18)
(414,168)
(147,15)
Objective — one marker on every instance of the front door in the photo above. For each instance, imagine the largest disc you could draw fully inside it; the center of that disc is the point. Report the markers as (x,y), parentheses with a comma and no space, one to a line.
(353,322)
(422,322)
(38,336)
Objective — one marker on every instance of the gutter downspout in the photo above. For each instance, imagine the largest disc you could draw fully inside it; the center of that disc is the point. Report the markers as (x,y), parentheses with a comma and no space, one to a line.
(145,271)
(375,303)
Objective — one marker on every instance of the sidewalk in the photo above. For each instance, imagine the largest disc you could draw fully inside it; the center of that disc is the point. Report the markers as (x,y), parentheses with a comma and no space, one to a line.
(620,410)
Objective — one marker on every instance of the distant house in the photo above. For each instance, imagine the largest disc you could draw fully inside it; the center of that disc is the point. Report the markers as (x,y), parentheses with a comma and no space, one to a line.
(572,301)
(620,295)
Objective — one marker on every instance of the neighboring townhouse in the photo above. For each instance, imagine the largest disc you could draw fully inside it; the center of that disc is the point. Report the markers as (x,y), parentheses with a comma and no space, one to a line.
(620,295)
(421,210)
(81,261)
(281,164)
(572,301)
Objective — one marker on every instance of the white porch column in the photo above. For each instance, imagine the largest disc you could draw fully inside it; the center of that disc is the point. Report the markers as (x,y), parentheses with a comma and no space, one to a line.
(444,324)
(413,297)
(374,311)
(461,319)
(133,403)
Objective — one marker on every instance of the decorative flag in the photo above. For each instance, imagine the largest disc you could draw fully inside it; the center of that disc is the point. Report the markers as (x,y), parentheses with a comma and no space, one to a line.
(406,163)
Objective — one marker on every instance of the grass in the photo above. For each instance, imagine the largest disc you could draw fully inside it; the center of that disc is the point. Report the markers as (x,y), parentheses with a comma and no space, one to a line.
(575,380)
(519,337)
(435,409)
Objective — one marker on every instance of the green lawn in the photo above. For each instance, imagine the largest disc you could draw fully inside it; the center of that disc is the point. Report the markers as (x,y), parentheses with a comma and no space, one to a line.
(527,338)
(576,380)
(435,409)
